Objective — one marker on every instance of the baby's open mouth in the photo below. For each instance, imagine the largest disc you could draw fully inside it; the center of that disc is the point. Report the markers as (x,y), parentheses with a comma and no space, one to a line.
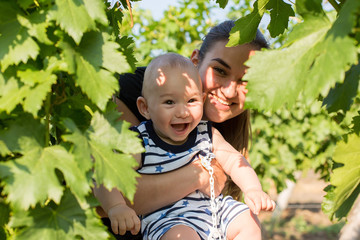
(180,126)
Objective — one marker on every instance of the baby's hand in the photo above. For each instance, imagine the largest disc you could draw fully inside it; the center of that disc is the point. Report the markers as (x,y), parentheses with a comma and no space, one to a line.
(257,201)
(123,219)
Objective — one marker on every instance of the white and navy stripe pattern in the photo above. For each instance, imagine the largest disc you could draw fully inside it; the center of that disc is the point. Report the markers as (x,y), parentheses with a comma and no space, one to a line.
(161,157)
(194,210)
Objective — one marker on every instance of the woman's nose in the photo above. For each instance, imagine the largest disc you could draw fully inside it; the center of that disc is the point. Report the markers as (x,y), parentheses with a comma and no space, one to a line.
(229,89)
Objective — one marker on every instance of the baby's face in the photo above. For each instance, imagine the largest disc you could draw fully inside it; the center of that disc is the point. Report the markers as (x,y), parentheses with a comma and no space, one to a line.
(175,104)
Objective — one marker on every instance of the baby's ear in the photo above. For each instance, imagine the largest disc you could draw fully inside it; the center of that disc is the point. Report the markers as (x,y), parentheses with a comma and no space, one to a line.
(195,57)
(143,107)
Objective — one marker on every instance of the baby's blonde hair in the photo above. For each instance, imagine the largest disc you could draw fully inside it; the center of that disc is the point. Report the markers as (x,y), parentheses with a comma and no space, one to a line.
(164,62)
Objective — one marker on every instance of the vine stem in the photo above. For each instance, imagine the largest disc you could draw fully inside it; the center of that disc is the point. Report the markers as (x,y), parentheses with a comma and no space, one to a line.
(47,119)
(131,16)
(335,5)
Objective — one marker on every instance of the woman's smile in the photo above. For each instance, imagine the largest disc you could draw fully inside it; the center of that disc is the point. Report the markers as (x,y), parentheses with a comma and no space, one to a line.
(220,100)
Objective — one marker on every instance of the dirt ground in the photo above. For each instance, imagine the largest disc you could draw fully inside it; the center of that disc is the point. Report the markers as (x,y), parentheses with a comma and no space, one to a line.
(303,219)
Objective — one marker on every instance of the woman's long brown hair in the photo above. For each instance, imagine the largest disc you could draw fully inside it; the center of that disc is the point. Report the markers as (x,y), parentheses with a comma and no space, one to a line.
(237,130)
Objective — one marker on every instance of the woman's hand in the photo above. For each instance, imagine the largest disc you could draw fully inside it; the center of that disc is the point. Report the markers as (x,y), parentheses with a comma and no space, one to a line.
(176,184)
(204,177)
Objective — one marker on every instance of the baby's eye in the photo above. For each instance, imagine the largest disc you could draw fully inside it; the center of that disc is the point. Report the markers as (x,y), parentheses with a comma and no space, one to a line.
(169,102)
(192,100)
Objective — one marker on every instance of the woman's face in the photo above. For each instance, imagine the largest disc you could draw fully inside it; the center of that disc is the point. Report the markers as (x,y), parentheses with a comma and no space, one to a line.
(221,73)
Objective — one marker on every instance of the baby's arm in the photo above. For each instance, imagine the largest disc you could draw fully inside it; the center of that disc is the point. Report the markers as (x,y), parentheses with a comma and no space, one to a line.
(243,175)
(122,217)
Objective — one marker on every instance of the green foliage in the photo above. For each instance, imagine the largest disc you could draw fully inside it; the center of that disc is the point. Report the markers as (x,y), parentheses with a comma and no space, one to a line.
(339,199)
(305,57)
(179,30)
(288,141)
(341,96)
(319,59)
(222,3)
(65,220)
(245,27)
(59,131)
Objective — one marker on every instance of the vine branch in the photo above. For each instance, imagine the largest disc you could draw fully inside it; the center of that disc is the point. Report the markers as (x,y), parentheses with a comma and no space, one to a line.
(131,16)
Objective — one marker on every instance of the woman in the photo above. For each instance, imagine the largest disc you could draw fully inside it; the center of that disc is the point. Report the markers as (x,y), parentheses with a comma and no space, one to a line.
(221,70)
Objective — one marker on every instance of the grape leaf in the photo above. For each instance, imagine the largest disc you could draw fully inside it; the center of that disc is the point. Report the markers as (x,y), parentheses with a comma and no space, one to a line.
(40,83)
(345,180)
(279,13)
(67,220)
(301,66)
(68,56)
(11,94)
(38,165)
(97,84)
(127,141)
(25,3)
(107,161)
(222,3)
(96,10)
(266,82)
(309,8)
(342,95)
(81,151)
(245,28)
(88,61)
(102,138)
(22,177)
(16,43)
(100,52)
(72,16)
(36,85)
(356,124)
(126,44)
(22,133)
(37,26)
(337,61)
(4,218)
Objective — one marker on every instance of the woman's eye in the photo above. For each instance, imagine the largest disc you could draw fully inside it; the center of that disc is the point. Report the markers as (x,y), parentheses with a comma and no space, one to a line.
(242,82)
(219,70)
(192,100)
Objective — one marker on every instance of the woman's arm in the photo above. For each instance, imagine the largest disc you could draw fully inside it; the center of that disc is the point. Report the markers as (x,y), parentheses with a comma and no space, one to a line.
(157,191)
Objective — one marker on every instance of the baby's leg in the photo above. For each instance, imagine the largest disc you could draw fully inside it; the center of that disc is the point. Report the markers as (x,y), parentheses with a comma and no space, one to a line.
(180,232)
(244,226)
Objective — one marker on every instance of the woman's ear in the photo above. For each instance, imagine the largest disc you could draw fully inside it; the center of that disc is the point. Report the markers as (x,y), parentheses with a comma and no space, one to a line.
(143,107)
(195,57)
